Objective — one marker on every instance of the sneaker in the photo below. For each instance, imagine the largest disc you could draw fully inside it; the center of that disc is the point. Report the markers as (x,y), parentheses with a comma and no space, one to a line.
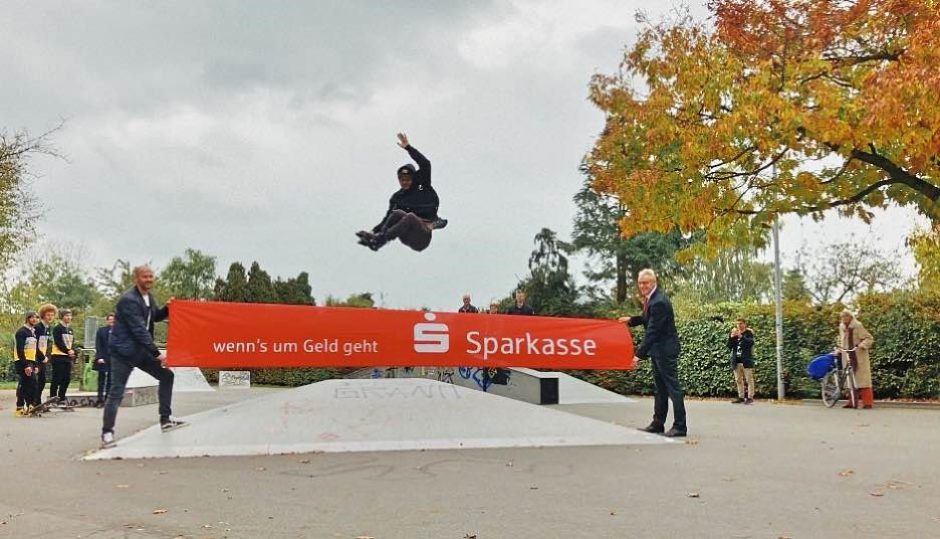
(748,401)
(107,440)
(675,433)
(167,425)
(19,412)
(377,241)
(738,400)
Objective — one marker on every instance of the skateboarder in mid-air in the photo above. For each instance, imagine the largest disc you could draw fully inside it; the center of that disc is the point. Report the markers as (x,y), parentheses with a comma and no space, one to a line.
(412,210)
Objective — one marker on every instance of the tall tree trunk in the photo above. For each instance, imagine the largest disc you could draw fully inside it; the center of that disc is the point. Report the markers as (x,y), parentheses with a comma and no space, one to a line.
(621,278)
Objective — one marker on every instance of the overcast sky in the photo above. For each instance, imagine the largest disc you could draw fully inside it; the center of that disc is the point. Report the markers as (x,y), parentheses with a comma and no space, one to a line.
(266,131)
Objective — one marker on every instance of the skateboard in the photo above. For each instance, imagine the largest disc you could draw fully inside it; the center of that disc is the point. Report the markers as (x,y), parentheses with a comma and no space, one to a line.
(39,409)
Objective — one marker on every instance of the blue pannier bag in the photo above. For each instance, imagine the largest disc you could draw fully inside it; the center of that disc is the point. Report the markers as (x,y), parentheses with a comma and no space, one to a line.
(820,366)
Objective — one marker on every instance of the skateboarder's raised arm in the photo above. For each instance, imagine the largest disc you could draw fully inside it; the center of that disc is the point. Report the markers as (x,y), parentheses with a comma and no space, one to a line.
(423,174)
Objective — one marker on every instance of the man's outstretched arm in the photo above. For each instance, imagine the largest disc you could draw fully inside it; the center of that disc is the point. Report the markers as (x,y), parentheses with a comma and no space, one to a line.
(423,176)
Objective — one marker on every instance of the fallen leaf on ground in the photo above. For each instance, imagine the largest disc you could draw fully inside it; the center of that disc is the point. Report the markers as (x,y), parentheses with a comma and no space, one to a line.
(612,513)
(846,473)
(122,486)
(305,461)
(694,495)
(877,494)
(159,511)
(260,469)
(691,442)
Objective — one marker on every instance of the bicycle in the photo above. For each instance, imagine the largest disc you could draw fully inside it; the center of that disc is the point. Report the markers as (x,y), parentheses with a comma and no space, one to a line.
(840,378)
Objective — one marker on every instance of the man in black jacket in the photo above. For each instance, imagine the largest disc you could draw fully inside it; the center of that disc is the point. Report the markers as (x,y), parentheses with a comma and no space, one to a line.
(63,355)
(131,345)
(25,364)
(520,307)
(103,360)
(741,344)
(412,210)
(47,313)
(661,344)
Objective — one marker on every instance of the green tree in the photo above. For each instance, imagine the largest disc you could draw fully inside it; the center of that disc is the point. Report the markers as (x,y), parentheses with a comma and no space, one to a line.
(733,274)
(363,300)
(191,276)
(597,232)
(260,287)
(58,279)
(295,291)
(794,286)
(549,287)
(235,285)
(18,207)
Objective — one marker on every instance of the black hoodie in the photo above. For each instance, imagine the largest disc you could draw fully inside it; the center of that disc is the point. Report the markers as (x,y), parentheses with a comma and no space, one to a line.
(420,199)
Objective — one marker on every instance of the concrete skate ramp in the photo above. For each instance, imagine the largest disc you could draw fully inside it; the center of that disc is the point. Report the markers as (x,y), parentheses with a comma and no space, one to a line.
(372,415)
(186,380)
(573,390)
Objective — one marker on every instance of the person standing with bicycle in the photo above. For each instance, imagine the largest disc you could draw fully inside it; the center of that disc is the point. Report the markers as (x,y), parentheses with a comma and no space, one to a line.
(854,344)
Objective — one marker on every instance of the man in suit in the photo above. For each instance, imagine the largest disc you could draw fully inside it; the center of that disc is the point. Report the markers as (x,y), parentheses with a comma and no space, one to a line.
(661,345)
(103,360)
(131,345)
(520,307)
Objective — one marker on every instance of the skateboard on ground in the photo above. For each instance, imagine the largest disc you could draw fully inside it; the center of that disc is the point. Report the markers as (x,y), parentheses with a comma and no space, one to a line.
(41,408)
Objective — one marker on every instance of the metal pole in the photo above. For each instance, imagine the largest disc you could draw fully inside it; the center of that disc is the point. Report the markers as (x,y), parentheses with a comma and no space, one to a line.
(778,299)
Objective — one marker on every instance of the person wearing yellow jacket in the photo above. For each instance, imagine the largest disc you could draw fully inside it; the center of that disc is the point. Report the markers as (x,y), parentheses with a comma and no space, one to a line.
(26,363)
(63,354)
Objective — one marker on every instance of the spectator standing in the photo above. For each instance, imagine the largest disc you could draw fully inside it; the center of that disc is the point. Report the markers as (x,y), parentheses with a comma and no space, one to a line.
(741,345)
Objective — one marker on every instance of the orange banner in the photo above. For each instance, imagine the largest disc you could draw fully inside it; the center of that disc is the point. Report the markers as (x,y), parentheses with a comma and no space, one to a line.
(239,335)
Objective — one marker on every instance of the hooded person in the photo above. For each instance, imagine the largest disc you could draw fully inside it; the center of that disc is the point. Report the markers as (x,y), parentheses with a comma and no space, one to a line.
(412,210)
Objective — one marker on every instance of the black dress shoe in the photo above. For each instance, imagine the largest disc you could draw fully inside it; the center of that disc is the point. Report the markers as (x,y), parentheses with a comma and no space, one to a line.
(675,433)
(652,429)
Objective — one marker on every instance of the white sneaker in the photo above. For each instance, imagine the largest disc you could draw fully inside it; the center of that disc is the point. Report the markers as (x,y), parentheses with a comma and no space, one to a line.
(107,440)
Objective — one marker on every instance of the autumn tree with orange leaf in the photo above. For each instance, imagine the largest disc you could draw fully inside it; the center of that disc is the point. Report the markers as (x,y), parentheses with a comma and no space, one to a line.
(778,107)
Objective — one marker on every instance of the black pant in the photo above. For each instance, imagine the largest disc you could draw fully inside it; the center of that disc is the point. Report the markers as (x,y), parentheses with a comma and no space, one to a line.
(666,377)
(61,376)
(40,381)
(121,369)
(25,390)
(407,227)
(104,384)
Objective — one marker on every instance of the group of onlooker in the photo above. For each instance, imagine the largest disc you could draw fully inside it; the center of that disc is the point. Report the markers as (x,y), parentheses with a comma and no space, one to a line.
(47,353)
(519,306)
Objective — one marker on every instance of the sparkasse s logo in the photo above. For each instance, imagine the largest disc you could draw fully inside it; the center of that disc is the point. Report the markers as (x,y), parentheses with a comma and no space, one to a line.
(431,338)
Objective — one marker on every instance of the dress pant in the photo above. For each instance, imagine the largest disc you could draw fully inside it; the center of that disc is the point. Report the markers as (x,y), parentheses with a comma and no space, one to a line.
(666,378)
(104,384)
(121,368)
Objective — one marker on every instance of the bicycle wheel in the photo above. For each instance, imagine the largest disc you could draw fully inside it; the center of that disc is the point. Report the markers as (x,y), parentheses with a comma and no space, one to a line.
(851,387)
(831,390)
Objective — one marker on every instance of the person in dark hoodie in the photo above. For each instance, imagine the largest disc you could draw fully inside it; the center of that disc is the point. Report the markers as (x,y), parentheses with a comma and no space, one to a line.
(63,355)
(741,344)
(412,210)
(26,364)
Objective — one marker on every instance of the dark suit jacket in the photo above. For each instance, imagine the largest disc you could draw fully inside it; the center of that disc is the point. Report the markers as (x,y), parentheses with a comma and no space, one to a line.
(131,336)
(101,349)
(661,339)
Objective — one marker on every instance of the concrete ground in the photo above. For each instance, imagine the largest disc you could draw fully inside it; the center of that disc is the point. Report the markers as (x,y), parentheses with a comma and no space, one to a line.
(765,470)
